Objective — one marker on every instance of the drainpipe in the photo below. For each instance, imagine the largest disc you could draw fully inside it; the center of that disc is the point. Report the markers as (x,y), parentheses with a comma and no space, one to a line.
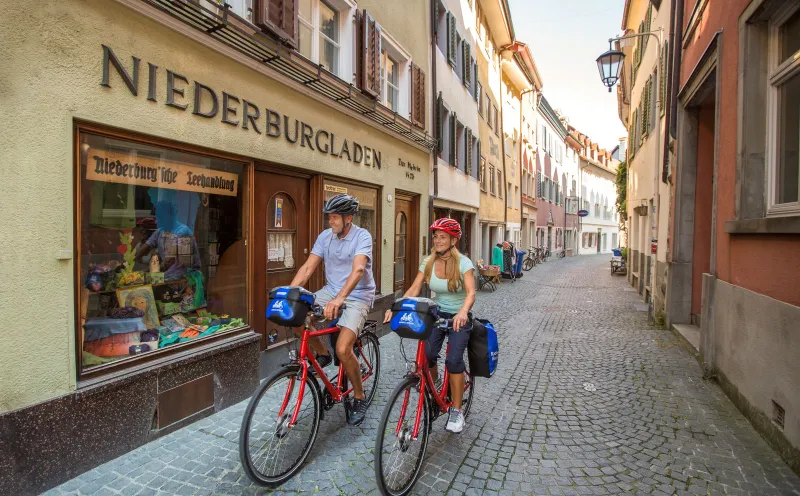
(673,64)
(521,206)
(436,130)
(677,27)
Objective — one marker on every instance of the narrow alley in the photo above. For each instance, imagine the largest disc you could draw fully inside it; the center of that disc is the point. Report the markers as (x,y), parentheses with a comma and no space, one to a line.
(588,399)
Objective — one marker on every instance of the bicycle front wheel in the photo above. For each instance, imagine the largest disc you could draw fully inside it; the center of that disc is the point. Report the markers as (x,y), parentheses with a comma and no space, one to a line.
(527,264)
(270,449)
(398,457)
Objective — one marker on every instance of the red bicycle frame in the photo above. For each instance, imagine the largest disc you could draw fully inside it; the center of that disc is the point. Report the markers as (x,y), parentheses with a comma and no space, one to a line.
(305,357)
(424,373)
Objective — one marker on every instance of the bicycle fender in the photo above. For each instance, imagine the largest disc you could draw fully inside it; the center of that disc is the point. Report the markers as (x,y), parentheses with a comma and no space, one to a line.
(314,384)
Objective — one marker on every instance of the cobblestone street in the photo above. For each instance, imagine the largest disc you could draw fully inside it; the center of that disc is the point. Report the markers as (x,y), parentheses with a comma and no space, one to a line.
(587,400)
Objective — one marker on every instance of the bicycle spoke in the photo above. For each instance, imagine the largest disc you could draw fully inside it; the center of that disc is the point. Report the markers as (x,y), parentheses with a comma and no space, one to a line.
(398,456)
(271,449)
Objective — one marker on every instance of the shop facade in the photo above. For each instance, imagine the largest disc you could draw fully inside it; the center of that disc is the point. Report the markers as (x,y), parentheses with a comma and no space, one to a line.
(173,179)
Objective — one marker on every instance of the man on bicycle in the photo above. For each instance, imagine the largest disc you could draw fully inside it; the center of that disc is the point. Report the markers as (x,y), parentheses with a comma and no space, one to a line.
(346,250)
(450,276)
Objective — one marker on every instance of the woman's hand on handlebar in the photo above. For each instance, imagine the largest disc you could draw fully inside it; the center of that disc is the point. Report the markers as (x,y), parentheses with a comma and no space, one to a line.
(460,320)
(387,317)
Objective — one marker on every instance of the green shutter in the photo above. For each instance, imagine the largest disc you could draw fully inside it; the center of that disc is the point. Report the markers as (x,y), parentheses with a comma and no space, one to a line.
(440,123)
(468,151)
(452,34)
(467,64)
(453,138)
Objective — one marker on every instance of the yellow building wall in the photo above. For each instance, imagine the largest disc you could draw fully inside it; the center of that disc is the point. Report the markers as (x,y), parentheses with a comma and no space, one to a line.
(52,69)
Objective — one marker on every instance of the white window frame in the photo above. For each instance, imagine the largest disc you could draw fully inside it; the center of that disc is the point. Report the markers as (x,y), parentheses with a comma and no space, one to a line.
(242,8)
(385,83)
(402,58)
(778,73)
(345,9)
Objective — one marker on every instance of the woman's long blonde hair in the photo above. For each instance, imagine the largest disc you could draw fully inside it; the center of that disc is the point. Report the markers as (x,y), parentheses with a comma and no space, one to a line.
(452,269)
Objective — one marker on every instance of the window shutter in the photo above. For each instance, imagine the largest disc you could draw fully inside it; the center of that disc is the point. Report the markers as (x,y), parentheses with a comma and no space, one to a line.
(452,34)
(662,84)
(539,185)
(653,112)
(479,97)
(648,23)
(371,73)
(475,83)
(478,156)
(440,123)
(468,151)
(279,17)
(453,138)
(358,50)
(467,64)
(417,96)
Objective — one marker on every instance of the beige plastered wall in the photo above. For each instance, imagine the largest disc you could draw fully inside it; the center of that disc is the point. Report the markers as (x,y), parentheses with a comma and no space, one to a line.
(52,68)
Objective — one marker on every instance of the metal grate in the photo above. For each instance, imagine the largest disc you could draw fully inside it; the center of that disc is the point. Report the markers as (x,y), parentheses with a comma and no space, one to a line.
(778,414)
(290,64)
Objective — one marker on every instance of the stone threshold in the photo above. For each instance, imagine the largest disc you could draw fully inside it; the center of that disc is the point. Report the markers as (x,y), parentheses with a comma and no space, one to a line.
(689,336)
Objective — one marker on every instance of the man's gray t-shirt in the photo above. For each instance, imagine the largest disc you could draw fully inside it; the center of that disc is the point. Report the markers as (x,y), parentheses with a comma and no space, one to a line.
(338,256)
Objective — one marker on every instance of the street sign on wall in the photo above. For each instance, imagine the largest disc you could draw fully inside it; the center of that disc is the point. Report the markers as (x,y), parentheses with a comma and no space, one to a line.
(583,213)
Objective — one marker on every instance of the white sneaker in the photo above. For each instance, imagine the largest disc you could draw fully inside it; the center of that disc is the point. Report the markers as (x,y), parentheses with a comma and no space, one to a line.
(455,421)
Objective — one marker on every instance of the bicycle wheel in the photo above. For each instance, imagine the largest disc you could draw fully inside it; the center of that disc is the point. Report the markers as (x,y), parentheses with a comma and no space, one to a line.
(369,360)
(398,457)
(272,452)
(527,264)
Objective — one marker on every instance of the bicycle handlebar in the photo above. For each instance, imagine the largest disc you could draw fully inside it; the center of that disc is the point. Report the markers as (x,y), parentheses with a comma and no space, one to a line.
(316,311)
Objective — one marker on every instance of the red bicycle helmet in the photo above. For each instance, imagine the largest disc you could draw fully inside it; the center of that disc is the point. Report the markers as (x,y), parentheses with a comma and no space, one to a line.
(450,226)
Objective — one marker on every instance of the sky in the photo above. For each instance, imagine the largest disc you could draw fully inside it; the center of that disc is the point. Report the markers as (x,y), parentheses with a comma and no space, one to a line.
(565,38)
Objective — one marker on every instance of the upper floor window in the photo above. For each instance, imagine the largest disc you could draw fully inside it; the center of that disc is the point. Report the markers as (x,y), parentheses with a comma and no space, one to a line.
(783,127)
(319,33)
(391,81)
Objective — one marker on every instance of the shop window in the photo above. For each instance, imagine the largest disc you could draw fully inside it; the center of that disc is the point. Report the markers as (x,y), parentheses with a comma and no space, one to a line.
(160,249)
(367,216)
(320,32)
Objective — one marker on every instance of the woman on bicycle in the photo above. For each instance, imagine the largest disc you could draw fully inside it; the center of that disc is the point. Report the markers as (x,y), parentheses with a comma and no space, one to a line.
(450,277)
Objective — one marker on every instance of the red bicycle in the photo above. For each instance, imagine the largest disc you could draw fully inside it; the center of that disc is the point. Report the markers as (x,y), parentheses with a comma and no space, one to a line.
(281,422)
(408,417)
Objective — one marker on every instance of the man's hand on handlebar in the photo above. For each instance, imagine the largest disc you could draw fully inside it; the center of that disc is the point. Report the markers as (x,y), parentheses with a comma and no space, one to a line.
(333,307)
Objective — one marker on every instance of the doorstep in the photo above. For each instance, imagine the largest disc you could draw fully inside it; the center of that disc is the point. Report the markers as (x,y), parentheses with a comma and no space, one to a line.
(690,336)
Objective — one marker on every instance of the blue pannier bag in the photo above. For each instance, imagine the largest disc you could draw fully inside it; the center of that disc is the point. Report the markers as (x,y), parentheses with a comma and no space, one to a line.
(484,349)
(289,305)
(414,318)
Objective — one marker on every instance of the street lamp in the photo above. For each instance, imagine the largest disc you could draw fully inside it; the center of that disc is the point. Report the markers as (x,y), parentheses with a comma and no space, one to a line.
(609,64)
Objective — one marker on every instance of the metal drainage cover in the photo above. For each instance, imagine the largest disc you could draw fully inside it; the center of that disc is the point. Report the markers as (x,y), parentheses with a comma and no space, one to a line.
(589,386)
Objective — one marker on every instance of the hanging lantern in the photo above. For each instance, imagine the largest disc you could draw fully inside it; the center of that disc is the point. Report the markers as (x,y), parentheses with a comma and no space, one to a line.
(610,64)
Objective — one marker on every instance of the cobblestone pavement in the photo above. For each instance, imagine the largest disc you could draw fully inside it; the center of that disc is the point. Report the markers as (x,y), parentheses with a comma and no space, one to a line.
(587,400)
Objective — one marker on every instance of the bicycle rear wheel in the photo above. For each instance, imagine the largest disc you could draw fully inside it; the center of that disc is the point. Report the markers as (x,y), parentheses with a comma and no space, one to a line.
(398,458)
(368,353)
(527,264)
(272,452)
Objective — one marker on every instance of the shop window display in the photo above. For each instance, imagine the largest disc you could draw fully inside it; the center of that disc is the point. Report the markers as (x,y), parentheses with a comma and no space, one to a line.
(161,248)
(367,216)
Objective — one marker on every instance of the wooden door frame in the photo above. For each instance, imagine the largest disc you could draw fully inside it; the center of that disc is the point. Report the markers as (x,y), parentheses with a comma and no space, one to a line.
(276,170)
(413,236)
